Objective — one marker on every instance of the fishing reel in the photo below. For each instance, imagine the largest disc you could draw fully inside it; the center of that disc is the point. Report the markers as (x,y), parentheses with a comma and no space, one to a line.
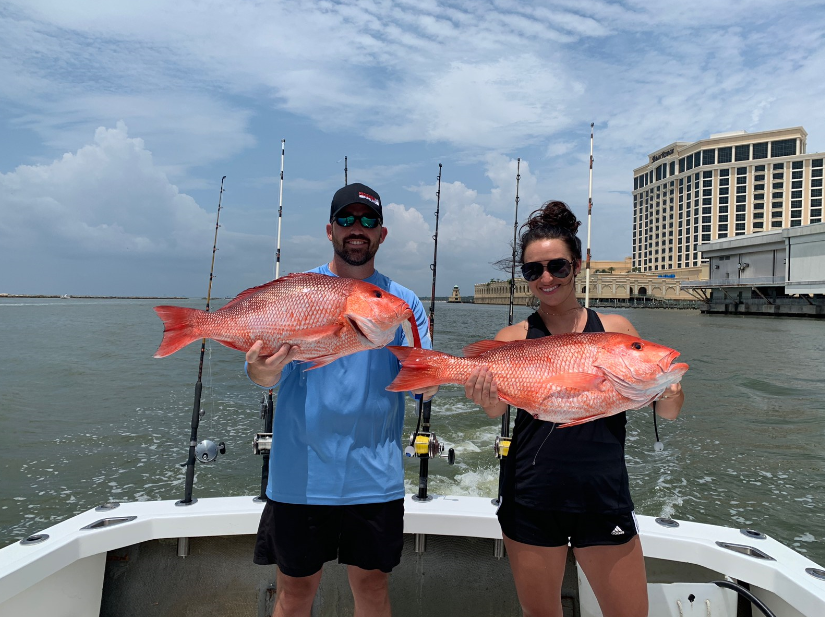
(502,446)
(207,450)
(426,445)
(262,443)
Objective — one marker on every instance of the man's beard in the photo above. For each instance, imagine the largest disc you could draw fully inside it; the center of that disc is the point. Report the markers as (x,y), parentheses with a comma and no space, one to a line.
(355,256)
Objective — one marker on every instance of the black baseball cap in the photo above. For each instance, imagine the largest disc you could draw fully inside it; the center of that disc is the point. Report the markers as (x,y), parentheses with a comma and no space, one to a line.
(355,193)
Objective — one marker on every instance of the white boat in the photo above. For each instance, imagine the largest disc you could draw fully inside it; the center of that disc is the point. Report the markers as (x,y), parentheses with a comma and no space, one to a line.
(160,558)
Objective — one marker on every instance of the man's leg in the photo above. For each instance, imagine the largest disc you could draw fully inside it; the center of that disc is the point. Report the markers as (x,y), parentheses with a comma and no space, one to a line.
(370,589)
(372,539)
(294,595)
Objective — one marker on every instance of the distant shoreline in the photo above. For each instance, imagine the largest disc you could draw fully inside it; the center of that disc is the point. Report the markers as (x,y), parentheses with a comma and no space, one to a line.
(68,297)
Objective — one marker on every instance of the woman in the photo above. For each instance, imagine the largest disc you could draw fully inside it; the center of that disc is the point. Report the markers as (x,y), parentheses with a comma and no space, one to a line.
(567,485)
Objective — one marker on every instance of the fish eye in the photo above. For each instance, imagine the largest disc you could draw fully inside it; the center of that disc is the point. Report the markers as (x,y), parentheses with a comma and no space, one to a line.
(377,294)
(636,345)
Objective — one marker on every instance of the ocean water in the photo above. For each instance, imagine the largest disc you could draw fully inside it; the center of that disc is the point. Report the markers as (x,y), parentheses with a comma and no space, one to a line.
(87,415)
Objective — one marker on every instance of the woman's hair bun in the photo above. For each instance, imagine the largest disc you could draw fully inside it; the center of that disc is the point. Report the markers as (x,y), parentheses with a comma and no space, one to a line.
(553,214)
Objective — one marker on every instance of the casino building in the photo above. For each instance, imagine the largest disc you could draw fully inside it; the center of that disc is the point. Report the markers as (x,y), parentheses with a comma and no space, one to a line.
(729,185)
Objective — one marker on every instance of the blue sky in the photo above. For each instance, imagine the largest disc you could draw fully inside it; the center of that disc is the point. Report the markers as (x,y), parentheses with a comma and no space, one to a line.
(118,120)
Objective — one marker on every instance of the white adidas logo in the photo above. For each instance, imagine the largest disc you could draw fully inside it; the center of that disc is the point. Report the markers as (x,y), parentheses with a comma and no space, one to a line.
(617,532)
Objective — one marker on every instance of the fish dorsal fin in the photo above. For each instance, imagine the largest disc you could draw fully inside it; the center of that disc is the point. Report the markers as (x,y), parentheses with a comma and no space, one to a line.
(253,290)
(474,350)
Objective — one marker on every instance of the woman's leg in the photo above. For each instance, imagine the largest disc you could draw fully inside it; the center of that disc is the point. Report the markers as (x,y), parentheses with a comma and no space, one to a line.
(538,572)
(617,575)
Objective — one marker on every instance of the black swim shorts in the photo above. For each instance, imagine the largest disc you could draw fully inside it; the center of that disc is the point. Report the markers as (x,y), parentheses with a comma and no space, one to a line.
(556,528)
(301,538)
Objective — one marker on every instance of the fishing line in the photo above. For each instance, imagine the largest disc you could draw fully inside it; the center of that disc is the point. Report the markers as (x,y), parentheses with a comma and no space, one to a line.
(542,443)
(658,446)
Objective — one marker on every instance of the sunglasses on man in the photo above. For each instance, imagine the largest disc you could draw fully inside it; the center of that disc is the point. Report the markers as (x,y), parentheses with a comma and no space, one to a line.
(559,268)
(367,222)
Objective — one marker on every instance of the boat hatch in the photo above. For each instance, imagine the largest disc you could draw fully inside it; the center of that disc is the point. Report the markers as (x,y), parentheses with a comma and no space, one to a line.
(816,573)
(667,522)
(752,533)
(745,550)
(109,522)
(34,539)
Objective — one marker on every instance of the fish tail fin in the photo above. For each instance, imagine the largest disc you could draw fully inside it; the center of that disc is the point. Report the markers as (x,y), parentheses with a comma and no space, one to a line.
(178,329)
(417,368)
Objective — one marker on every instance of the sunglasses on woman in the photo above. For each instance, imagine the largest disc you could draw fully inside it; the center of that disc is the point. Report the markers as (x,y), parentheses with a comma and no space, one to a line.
(559,268)
(367,222)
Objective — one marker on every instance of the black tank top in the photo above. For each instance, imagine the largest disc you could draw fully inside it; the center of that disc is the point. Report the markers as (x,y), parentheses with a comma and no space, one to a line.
(576,469)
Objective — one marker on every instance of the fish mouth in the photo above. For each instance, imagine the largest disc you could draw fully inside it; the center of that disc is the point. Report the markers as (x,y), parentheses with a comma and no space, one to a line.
(667,360)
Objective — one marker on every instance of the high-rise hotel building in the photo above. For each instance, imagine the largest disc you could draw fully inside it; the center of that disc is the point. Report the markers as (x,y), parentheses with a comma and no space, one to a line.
(728,185)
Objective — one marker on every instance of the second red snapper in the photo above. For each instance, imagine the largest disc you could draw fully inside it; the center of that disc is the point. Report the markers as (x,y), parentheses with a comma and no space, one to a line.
(327,317)
(567,378)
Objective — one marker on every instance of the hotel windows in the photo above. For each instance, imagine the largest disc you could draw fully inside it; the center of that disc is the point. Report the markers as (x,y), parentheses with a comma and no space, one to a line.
(783,147)
(725,155)
(743,153)
(708,157)
(760,150)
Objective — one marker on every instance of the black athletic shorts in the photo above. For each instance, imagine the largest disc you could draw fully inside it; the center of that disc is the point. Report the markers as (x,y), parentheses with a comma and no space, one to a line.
(556,528)
(301,538)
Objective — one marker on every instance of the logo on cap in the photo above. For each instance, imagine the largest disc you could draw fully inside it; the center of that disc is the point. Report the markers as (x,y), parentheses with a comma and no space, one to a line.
(368,197)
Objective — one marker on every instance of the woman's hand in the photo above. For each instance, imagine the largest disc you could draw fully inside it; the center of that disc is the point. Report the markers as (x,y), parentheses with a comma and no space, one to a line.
(670,403)
(266,370)
(481,388)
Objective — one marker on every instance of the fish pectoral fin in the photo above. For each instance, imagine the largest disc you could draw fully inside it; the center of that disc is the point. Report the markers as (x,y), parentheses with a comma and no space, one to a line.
(582,420)
(579,381)
(315,334)
(321,361)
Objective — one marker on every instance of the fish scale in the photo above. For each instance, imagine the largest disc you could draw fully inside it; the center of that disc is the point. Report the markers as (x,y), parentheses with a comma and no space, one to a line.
(568,378)
(327,317)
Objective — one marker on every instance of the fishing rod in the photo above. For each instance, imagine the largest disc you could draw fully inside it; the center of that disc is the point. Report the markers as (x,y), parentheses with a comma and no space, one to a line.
(345,171)
(280,211)
(589,215)
(423,442)
(262,442)
(502,444)
(196,409)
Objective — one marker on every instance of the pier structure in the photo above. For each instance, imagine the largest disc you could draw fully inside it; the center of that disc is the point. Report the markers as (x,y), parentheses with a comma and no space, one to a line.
(612,283)
(780,273)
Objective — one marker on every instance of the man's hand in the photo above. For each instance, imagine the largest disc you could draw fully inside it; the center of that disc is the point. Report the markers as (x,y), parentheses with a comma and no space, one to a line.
(266,370)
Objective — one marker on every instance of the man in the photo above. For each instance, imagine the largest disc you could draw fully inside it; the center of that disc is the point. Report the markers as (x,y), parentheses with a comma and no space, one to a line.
(336,479)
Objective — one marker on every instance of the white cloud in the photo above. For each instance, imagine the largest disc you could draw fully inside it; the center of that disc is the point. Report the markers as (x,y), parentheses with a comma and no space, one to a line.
(105,205)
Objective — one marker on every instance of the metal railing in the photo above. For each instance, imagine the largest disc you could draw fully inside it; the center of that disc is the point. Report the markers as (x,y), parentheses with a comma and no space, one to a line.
(753,281)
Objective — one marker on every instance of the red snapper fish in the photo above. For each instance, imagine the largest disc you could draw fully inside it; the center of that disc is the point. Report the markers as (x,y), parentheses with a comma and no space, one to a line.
(327,317)
(566,378)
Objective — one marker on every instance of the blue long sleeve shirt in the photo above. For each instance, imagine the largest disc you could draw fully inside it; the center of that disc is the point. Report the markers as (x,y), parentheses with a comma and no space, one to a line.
(336,434)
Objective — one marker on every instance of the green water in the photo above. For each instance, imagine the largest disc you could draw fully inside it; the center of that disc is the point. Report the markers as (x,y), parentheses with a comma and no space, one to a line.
(87,415)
